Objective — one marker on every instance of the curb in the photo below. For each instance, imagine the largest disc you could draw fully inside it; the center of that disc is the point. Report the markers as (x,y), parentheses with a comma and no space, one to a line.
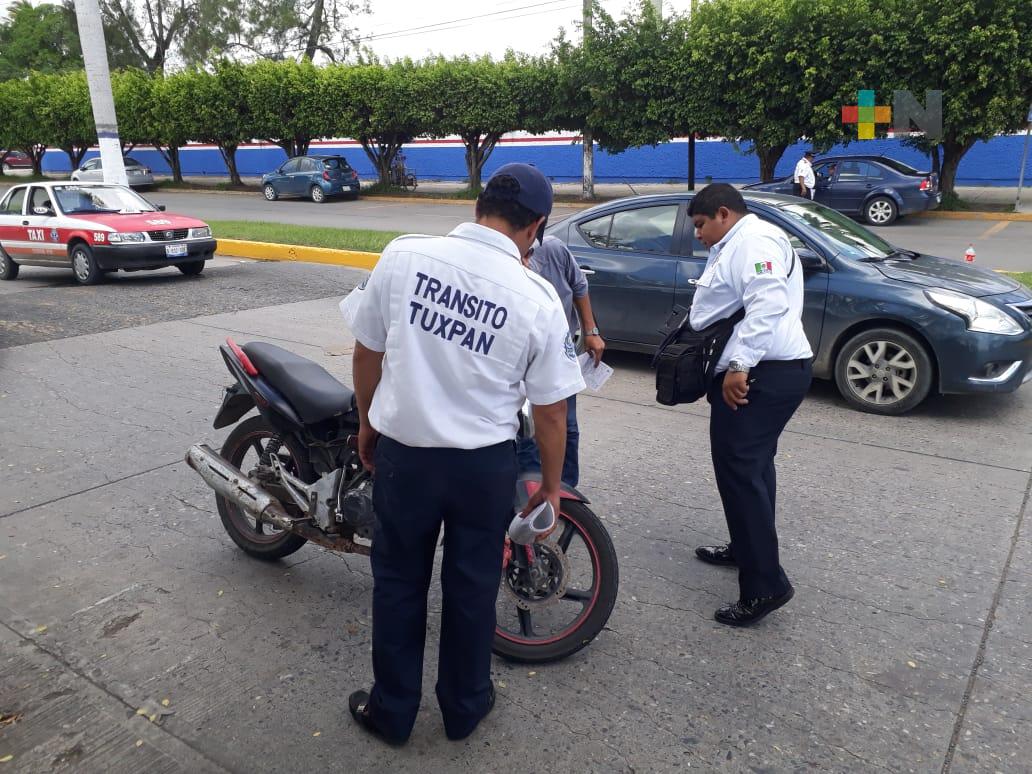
(271,251)
(1025,217)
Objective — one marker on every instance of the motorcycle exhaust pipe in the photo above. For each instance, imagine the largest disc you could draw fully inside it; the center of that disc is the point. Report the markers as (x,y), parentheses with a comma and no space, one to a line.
(230,482)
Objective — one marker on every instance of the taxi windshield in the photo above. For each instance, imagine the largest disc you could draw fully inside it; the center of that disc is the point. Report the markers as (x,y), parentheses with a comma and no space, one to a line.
(847,237)
(74,199)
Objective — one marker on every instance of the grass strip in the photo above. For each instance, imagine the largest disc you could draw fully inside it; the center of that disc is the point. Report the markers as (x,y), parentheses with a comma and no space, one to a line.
(366,240)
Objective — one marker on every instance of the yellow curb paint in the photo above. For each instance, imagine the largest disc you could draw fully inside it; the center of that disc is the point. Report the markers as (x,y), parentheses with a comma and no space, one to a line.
(271,251)
(996,228)
(1009,216)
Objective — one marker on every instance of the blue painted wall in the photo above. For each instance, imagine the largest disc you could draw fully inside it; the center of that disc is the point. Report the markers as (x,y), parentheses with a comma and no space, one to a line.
(987,163)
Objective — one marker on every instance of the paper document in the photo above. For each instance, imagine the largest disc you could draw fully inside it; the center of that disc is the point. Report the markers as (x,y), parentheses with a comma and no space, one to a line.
(594,376)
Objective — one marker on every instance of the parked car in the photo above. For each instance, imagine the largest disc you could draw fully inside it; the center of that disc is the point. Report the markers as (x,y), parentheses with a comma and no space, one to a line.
(95,228)
(15,160)
(876,188)
(315,177)
(887,325)
(137,174)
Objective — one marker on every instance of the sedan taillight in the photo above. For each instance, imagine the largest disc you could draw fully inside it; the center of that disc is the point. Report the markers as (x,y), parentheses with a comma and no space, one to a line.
(326,174)
(926,185)
(354,175)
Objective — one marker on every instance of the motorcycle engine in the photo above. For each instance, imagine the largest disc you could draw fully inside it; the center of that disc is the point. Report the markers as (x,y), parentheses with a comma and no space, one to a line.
(355,508)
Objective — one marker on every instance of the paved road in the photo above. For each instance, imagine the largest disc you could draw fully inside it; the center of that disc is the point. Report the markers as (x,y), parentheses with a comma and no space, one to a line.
(1000,245)
(906,647)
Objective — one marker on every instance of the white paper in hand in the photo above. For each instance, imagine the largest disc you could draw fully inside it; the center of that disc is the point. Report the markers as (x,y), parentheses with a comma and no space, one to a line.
(594,376)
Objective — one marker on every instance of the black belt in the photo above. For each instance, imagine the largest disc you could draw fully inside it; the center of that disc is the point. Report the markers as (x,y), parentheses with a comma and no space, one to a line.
(800,363)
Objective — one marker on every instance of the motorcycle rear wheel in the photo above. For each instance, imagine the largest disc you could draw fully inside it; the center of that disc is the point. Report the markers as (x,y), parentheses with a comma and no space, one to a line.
(521,639)
(250,439)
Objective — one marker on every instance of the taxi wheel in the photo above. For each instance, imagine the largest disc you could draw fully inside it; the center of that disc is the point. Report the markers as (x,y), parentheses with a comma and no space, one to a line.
(318,194)
(270,192)
(84,265)
(8,268)
(191,269)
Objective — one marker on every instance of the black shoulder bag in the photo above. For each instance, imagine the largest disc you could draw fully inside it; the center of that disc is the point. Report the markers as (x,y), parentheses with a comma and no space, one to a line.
(686,360)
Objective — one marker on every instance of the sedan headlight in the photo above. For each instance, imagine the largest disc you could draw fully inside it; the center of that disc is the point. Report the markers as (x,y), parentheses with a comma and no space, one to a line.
(126,236)
(200,233)
(981,317)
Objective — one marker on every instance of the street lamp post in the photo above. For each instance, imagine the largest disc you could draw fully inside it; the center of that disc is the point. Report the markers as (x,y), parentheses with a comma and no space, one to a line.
(98,77)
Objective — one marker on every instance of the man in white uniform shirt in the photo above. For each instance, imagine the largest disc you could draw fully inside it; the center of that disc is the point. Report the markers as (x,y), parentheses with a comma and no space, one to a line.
(804,178)
(762,376)
(452,335)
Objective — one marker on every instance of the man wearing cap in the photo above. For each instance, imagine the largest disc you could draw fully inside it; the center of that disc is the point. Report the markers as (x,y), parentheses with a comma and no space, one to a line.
(803,178)
(452,334)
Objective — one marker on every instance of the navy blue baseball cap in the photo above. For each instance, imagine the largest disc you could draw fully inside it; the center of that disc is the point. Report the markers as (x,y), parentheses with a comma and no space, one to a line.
(535,192)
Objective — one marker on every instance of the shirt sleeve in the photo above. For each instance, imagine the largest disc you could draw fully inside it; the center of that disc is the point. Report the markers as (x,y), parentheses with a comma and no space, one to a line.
(574,276)
(553,373)
(366,309)
(764,284)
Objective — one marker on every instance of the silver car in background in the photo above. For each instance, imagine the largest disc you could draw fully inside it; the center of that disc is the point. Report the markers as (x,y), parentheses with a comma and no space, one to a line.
(93,171)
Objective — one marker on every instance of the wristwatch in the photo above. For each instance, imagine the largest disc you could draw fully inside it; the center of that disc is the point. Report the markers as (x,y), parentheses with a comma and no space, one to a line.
(737,367)
(592,332)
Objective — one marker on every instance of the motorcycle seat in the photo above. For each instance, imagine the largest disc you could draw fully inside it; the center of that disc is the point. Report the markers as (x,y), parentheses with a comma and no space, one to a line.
(313,392)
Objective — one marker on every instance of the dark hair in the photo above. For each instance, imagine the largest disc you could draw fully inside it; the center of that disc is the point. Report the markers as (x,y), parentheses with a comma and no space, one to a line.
(713,197)
(499,199)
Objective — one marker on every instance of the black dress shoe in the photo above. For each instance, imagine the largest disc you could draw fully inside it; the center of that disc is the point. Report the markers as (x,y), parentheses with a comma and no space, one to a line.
(716,555)
(358,703)
(748,611)
(490,706)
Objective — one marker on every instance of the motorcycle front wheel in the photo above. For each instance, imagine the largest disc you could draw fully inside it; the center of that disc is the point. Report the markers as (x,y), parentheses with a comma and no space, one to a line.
(556,596)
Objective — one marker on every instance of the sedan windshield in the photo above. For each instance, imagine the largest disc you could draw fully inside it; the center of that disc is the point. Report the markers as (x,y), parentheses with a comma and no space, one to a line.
(99,198)
(847,237)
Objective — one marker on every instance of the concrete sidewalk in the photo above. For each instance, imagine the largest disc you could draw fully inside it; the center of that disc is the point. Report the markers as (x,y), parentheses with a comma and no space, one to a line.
(906,648)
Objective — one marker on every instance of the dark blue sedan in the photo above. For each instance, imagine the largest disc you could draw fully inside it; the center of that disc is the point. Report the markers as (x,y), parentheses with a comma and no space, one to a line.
(875,188)
(313,177)
(888,325)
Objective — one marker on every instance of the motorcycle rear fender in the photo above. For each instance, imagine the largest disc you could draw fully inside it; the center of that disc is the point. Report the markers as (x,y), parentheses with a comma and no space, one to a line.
(528,483)
(235,403)
(270,402)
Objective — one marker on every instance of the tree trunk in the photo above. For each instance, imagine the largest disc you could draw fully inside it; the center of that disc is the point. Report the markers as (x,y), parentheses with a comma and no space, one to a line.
(587,165)
(315,31)
(75,154)
(477,154)
(35,154)
(936,163)
(228,151)
(769,158)
(952,153)
(301,144)
(381,153)
(170,153)
(691,161)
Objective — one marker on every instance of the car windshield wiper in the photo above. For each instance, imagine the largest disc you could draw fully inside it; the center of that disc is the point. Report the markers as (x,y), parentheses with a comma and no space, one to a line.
(898,252)
(91,209)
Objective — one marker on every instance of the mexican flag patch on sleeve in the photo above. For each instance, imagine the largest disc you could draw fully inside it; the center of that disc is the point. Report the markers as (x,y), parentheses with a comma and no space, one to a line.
(764,267)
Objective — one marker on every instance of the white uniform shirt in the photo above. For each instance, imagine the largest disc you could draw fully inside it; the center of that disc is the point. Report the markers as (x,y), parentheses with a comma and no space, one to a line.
(468,334)
(749,267)
(804,169)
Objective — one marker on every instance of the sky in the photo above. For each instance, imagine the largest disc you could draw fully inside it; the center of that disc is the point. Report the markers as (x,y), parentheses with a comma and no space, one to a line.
(417,28)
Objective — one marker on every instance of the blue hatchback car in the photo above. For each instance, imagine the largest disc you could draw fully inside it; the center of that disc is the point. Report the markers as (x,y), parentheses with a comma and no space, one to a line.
(313,177)
(875,188)
(888,325)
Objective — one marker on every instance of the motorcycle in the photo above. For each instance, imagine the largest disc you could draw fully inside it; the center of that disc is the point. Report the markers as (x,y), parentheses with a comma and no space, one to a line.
(291,474)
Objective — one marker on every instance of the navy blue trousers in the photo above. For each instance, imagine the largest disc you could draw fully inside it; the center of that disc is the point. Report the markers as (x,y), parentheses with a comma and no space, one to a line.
(743,444)
(417,490)
(530,458)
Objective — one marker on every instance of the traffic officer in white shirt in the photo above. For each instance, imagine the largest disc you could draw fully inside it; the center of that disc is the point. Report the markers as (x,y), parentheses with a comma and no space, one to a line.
(804,179)
(762,377)
(452,335)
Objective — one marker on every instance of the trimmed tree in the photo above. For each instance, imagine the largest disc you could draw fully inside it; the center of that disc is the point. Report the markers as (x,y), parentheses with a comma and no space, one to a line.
(383,107)
(287,105)
(23,106)
(221,113)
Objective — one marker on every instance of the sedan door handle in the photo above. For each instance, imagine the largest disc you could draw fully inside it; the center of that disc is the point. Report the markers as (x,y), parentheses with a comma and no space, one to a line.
(587,270)
(25,222)
(692,282)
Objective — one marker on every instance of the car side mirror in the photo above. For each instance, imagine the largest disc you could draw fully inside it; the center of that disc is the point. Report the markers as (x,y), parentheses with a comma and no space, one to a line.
(161,208)
(810,259)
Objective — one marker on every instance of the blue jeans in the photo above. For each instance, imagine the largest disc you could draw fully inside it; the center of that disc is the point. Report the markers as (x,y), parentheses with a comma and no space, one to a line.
(530,460)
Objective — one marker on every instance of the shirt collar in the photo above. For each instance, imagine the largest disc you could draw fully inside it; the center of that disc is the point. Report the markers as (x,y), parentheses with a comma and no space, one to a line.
(477,233)
(735,230)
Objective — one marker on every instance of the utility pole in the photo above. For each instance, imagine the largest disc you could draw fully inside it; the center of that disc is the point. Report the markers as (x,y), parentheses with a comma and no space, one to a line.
(691,135)
(98,77)
(587,138)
